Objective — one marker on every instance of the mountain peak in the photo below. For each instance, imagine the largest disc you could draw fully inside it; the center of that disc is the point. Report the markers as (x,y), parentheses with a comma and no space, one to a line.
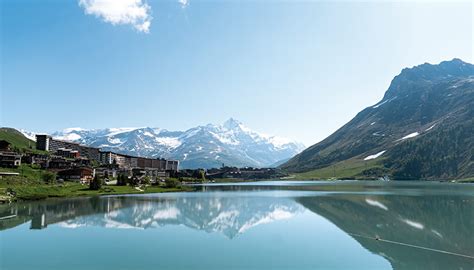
(446,70)
(232,123)
(452,68)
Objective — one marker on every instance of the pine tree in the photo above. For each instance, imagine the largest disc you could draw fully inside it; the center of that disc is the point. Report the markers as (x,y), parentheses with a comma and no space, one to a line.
(96,183)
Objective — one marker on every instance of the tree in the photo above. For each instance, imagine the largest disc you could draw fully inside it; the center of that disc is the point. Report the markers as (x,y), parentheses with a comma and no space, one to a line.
(96,183)
(146,180)
(133,181)
(201,176)
(121,180)
(49,177)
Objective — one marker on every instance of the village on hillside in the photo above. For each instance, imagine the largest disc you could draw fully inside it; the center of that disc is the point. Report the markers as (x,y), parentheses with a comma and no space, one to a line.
(70,161)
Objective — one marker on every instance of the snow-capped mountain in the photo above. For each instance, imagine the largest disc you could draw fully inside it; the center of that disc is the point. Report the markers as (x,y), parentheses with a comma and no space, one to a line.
(230,143)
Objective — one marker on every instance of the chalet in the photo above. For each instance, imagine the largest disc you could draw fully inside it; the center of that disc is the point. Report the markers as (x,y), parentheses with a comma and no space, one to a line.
(10,159)
(5,146)
(106,172)
(60,163)
(83,174)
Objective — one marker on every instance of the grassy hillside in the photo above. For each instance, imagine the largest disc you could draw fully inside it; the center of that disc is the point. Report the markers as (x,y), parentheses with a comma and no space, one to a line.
(347,169)
(18,141)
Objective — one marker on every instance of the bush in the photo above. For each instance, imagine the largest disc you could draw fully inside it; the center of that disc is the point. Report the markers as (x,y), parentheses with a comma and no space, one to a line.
(171,183)
(49,177)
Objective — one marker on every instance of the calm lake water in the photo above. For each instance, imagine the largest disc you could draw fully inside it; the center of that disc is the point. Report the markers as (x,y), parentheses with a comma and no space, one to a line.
(265,225)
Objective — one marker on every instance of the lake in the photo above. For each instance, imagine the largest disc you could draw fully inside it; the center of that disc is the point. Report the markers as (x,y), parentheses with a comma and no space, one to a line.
(263,225)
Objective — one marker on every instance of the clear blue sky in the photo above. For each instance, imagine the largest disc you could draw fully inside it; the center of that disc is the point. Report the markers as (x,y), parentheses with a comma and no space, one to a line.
(297,69)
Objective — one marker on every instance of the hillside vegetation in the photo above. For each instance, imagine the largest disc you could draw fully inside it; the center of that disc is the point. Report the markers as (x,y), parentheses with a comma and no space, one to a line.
(18,141)
(422,129)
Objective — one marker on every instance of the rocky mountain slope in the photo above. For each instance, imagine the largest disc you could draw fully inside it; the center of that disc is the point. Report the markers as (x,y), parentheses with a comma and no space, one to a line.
(423,128)
(208,146)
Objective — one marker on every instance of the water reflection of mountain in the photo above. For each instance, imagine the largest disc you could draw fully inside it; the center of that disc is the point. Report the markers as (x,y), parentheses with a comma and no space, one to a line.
(430,219)
(437,222)
(228,215)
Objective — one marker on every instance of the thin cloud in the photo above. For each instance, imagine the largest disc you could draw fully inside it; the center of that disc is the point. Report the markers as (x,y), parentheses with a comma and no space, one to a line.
(134,12)
(183,3)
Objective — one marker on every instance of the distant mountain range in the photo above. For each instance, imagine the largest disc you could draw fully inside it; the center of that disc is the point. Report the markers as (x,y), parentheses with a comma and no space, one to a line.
(231,143)
(423,128)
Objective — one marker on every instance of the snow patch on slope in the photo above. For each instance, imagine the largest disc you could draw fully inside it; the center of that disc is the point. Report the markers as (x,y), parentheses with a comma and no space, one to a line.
(430,128)
(383,102)
(114,140)
(115,131)
(411,135)
(170,142)
(69,137)
(28,134)
(375,155)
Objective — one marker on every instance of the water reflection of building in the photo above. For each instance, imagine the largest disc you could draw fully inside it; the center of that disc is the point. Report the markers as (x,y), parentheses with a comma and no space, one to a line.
(44,213)
(38,222)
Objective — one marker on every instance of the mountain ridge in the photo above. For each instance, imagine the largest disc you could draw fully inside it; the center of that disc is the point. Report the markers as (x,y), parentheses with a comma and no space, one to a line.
(421,104)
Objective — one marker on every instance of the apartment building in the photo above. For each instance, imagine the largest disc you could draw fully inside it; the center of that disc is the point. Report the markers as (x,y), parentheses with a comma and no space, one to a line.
(47,143)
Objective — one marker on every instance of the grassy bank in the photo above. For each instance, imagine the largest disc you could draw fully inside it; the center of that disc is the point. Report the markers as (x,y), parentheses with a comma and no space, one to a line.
(27,189)
(466,180)
(38,192)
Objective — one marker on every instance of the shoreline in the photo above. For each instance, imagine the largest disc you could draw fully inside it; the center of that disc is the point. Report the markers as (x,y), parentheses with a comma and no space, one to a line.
(21,193)
(37,192)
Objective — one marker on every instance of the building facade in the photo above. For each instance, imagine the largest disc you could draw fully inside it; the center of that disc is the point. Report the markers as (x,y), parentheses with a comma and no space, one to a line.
(77,174)
(75,150)
(10,159)
(47,143)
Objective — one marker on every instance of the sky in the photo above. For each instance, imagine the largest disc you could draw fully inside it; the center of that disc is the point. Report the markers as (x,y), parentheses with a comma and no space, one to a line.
(297,69)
